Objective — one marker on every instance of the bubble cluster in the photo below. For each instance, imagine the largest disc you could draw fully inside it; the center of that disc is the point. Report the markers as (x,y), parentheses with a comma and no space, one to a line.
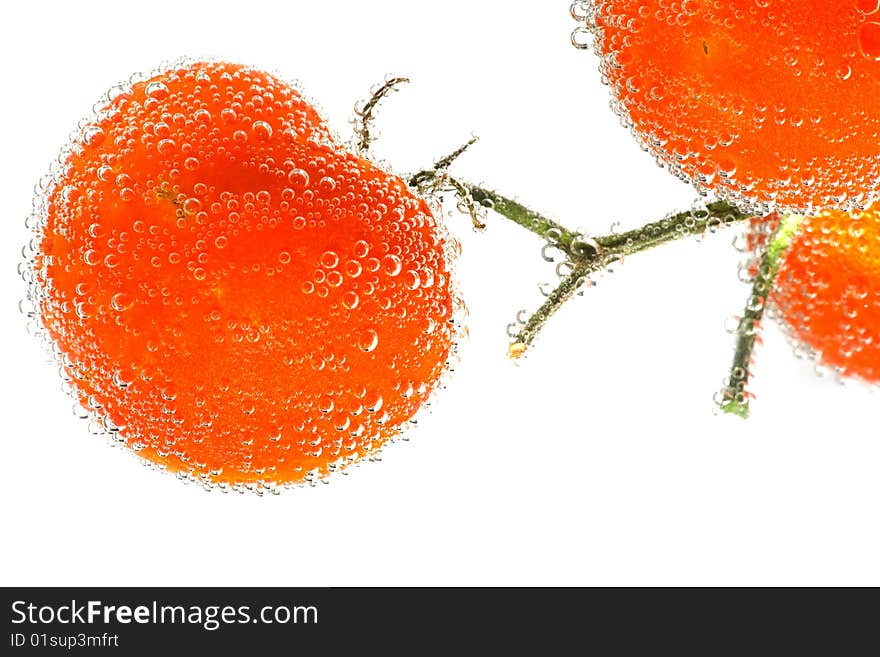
(231,293)
(827,291)
(770,104)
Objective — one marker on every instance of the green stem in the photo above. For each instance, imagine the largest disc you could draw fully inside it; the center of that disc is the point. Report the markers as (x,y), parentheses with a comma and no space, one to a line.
(735,397)
(588,255)
(683,224)
(585,255)
(563,292)
(528,219)
(364,130)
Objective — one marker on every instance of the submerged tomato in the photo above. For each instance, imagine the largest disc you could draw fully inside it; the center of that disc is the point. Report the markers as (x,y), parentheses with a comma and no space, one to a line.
(774,103)
(233,294)
(827,291)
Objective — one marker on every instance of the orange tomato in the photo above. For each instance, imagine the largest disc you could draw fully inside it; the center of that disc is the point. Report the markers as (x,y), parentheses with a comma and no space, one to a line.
(766,103)
(827,291)
(232,293)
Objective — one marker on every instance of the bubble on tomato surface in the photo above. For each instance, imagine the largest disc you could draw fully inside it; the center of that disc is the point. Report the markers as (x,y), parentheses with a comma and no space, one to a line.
(173,277)
(770,105)
(826,295)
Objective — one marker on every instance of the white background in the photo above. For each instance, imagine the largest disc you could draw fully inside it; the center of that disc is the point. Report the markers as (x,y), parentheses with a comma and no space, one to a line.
(596,461)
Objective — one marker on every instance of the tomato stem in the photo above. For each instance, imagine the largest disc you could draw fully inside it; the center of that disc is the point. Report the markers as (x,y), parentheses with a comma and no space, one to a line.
(366,115)
(734,396)
(545,228)
(586,256)
(566,289)
(437,180)
(710,218)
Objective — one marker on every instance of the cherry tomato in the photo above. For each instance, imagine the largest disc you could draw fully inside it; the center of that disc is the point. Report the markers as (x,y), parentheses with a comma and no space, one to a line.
(231,293)
(766,103)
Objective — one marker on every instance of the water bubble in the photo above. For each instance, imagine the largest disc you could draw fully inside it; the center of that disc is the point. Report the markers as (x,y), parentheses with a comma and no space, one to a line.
(584,246)
(83,310)
(350,300)
(353,268)
(121,302)
(262,130)
(368,340)
(166,146)
(192,205)
(120,381)
(93,135)
(157,90)
(298,177)
(392,264)
(412,280)
(361,249)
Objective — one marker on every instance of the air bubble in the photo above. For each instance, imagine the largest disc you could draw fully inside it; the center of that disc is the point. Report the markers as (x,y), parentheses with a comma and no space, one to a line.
(368,340)
(350,300)
(392,265)
(121,302)
(157,90)
(93,135)
(166,146)
(262,130)
(298,177)
(353,268)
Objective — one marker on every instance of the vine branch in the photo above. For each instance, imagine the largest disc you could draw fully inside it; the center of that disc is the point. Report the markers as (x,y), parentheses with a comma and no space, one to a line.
(585,255)
(364,129)
(734,396)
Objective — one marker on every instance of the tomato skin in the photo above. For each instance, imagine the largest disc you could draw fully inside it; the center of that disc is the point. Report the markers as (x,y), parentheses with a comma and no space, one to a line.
(774,104)
(232,293)
(827,291)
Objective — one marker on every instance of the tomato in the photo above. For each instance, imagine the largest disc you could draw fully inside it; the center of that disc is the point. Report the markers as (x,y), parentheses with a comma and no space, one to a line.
(231,293)
(827,291)
(770,104)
